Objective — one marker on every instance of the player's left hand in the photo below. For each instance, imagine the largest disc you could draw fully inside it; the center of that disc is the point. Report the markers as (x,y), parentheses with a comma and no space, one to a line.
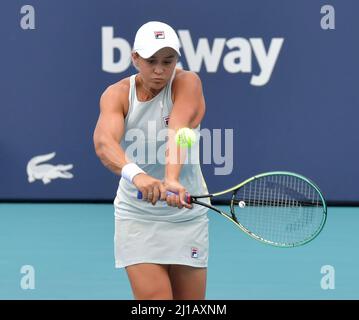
(177,199)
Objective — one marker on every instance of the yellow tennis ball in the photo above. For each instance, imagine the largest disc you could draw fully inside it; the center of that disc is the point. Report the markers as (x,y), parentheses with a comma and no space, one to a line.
(185,137)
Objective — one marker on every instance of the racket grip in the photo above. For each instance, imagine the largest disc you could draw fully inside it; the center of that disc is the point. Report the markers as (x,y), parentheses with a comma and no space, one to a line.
(169,193)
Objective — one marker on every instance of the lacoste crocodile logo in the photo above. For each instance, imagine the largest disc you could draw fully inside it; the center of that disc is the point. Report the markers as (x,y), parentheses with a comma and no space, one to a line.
(37,170)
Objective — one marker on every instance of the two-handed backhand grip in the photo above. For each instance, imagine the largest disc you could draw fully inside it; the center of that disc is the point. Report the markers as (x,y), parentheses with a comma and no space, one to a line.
(169,193)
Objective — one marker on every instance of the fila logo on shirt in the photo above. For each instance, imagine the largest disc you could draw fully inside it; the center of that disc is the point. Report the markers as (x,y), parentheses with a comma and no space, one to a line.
(194,253)
(236,54)
(166,119)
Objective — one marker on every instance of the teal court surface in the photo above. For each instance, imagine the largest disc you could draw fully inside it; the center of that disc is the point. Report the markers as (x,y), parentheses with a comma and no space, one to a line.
(68,249)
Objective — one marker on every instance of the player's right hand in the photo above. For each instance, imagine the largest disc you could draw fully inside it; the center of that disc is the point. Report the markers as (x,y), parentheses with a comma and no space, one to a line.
(152,189)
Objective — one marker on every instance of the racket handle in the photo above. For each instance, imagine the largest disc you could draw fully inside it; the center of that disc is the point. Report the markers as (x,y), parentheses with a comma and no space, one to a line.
(169,193)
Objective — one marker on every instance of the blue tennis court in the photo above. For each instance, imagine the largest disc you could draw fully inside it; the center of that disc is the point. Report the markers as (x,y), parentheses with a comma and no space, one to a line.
(69,250)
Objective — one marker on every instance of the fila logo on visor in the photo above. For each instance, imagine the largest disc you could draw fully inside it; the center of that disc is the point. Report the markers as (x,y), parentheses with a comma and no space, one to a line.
(159,34)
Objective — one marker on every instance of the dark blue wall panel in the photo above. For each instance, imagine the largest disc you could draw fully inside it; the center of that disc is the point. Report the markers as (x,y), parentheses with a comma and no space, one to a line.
(304,118)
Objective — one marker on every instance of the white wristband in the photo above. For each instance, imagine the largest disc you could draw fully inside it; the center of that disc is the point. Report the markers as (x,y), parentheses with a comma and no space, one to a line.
(130,170)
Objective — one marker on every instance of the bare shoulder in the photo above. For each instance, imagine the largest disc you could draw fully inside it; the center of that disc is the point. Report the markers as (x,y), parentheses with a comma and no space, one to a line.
(188,98)
(188,78)
(115,96)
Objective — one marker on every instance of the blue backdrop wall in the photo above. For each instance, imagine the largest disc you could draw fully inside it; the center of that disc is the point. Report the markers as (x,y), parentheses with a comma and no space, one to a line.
(280,79)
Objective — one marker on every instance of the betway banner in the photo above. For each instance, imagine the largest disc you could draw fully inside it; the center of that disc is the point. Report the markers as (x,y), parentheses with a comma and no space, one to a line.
(203,55)
(279,79)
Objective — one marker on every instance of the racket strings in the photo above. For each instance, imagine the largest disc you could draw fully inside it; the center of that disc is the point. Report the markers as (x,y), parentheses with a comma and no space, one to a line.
(279,209)
(254,201)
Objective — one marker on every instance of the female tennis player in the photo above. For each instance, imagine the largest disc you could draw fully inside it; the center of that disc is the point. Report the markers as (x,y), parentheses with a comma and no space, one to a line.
(164,247)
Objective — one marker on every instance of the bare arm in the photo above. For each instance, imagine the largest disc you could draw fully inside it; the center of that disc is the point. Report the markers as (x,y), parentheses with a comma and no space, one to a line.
(110,129)
(108,134)
(188,111)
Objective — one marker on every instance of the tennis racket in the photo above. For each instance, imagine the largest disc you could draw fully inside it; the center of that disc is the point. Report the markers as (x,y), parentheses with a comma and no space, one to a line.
(279,208)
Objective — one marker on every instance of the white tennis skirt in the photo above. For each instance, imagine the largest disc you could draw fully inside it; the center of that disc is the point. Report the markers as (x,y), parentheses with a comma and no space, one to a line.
(161,242)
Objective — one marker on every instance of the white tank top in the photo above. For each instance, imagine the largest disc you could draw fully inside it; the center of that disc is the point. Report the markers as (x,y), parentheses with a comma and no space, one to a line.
(144,142)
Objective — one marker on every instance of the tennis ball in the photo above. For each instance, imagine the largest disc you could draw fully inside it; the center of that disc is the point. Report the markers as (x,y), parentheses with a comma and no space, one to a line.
(185,137)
